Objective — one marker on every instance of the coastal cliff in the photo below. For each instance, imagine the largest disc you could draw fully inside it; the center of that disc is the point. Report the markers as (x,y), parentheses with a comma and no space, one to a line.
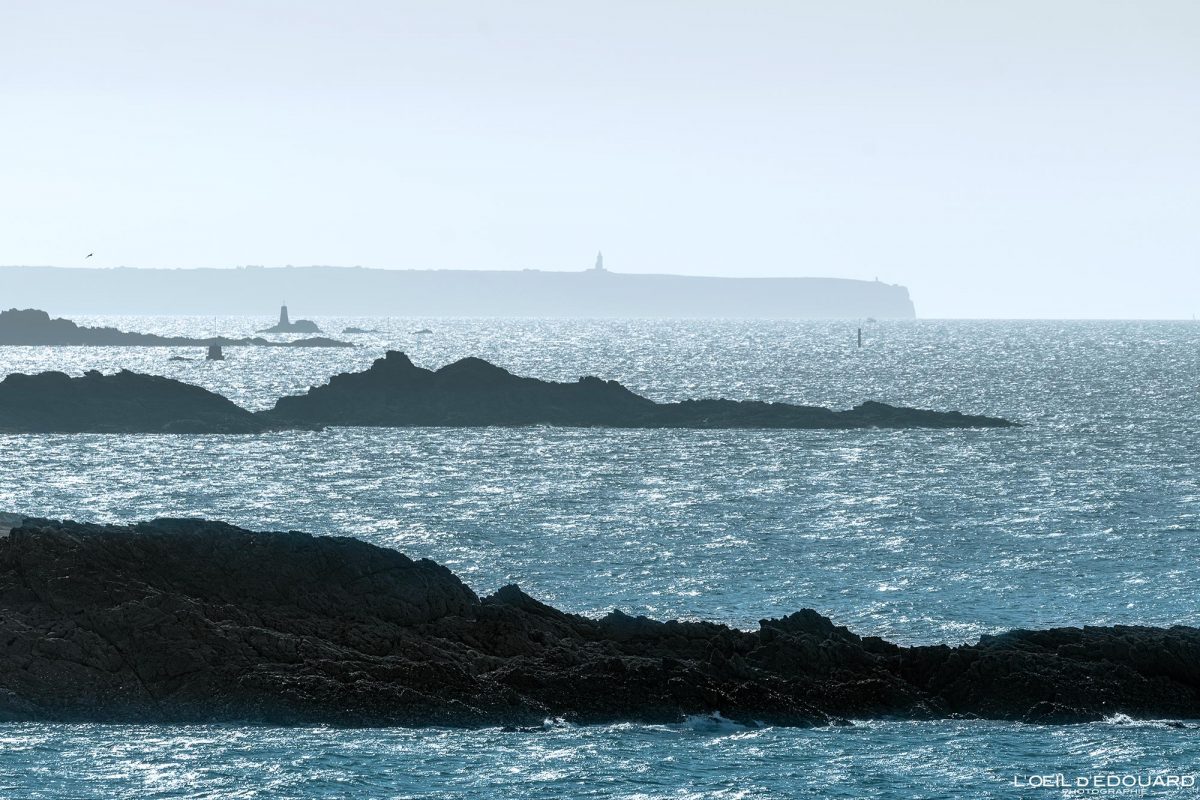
(181,620)
(471,392)
(354,291)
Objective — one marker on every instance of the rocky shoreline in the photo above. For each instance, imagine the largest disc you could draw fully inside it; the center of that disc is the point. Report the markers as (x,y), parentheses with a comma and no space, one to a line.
(198,621)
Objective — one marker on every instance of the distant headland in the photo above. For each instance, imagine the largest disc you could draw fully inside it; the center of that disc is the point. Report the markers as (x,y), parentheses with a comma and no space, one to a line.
(33,327)
(355,291)
(396,393)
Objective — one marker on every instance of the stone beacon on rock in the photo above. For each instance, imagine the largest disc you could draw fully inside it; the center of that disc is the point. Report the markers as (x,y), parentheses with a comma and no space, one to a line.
(214,353)
(285,325)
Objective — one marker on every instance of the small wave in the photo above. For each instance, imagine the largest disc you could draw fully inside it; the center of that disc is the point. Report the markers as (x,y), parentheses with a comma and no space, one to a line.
(548,724)
(715,722)
(1128,721)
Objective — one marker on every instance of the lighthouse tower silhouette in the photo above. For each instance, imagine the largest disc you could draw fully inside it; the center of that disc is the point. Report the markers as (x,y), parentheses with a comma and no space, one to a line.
(283,317)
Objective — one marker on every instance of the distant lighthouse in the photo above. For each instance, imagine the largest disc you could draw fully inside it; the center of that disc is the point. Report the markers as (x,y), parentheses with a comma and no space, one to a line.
(287,326)
(599,262)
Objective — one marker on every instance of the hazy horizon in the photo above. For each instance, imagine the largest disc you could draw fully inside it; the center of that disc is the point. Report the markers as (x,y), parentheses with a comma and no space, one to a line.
(1011,161)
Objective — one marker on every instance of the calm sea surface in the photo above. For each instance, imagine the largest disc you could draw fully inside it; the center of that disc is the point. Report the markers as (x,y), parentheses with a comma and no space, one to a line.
(1089,514)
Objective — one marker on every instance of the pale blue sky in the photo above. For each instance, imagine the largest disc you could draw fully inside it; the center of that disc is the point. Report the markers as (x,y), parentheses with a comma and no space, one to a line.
(1001,159)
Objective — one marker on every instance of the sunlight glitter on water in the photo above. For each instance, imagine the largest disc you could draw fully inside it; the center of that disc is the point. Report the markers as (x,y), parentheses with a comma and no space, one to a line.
(1085,515)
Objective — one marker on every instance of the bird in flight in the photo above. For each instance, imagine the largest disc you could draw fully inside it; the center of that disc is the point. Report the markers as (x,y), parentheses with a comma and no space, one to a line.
(89,255)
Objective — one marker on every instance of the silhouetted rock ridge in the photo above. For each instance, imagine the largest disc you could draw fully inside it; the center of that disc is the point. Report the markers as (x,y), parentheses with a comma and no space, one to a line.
(127,402)
(473,392)
(396,393)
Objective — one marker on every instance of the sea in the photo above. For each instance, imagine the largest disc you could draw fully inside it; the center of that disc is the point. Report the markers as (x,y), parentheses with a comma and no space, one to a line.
(1087,514)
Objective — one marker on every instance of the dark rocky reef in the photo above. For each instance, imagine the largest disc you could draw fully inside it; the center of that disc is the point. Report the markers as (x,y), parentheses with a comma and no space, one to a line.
(127,402)
(196,621)
(34,327)
(472,392)
(395,393)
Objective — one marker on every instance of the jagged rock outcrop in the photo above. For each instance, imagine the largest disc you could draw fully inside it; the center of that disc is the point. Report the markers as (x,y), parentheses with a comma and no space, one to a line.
(472,392)
(394,392)
(126,402)
(196,621)
(33,327)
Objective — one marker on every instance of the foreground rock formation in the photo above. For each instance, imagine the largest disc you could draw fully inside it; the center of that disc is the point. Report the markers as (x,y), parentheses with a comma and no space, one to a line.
(127,402)
(34,327)
(471,392)
(189,621)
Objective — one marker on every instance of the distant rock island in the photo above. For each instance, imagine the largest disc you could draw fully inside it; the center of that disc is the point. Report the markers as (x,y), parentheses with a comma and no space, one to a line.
(127,402)
(394,392)
(286,326)
(191,621)
(354,291)
(33,327)
(472,392)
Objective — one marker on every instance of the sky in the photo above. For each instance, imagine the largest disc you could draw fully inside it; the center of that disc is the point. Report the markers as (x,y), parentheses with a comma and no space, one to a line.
(1001,159)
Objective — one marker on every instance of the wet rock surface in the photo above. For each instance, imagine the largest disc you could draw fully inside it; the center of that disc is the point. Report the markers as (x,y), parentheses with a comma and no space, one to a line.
(191,620)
